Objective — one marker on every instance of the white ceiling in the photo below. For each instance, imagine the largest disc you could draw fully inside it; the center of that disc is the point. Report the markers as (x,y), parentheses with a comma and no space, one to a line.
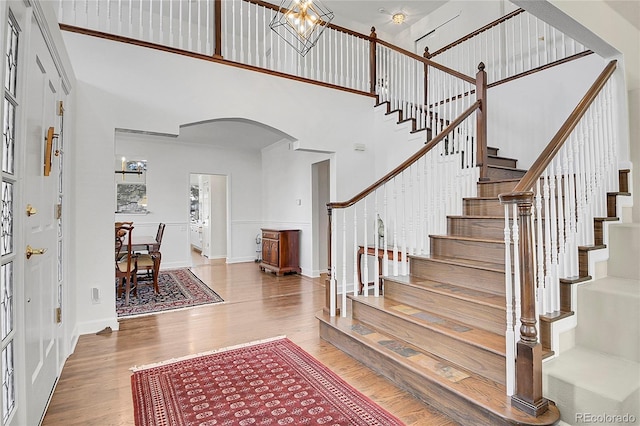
(377,13)
(628,9)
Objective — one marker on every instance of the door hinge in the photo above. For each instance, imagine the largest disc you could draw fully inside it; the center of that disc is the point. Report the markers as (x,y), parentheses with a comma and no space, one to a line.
(58,211)
(60,108)
(58,315)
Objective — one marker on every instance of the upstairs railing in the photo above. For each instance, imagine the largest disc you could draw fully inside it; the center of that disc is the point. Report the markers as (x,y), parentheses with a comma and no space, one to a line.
(549,214)
(515,44)
(237,31)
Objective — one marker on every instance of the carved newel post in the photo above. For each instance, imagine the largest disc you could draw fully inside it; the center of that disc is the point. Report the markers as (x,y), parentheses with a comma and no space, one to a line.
(372,60)
(426,55)
(528,392)
(481,121)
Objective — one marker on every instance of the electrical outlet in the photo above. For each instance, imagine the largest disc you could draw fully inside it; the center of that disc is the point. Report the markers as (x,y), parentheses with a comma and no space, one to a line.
(95,295)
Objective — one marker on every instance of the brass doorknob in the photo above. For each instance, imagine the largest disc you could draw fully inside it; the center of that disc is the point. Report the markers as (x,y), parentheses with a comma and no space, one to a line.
(31,210)
(31,251)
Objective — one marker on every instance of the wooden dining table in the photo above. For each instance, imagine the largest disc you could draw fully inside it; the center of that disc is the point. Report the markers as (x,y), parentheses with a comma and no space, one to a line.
(143,242)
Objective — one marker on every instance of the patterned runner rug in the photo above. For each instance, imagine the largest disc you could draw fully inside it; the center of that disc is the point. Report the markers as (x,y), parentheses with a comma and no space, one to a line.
(179,289)
(271,382)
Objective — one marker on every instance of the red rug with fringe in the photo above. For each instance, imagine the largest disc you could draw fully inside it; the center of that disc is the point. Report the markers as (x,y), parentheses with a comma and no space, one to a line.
(271,382)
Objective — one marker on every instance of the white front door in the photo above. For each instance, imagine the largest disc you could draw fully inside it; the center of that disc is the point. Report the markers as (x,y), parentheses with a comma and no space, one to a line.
(41,229)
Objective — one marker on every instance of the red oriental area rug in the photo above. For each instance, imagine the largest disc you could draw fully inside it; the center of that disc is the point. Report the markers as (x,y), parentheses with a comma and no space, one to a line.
(179,289)
(271,382)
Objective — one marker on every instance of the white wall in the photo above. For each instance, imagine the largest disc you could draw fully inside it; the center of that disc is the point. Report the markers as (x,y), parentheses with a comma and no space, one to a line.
(473,15)
(595,24)
(169,166)
(129,87)
(516,109)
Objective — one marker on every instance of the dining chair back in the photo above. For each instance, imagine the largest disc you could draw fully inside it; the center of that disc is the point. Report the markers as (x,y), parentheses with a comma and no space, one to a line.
(159,234)
(126,268)
(151,260)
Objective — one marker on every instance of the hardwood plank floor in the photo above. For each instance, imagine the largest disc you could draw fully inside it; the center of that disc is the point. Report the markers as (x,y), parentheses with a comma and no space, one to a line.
(95,389)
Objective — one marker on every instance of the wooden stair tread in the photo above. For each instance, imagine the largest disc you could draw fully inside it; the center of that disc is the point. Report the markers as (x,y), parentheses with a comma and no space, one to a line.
(475,217)
(464,293)
(501,157)
(464,332)
(463,238)
(555,316)
(507,168)
(489,182)
(475,389)
(494,267)
(482,198)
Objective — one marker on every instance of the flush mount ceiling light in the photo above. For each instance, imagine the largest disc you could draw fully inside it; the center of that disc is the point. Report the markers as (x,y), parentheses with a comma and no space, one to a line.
(398,18)
(301,22)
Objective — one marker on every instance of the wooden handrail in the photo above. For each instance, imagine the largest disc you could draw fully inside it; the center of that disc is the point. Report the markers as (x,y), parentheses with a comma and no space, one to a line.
(214,58)
(429,62)
(476,32)
(409,161)
(528,385)
(550,151)
(540,68)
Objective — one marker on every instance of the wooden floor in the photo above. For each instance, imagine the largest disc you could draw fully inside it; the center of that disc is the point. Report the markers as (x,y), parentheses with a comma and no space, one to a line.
(94,388)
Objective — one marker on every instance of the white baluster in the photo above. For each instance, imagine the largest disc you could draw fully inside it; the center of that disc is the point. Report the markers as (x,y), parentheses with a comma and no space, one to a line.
(365,244)
(249,14)
(403,229)
(554,239)
(385,262)
(344,263)
(395,227)
(419,221)
(376,245)
(334,259)
(209,50)
(573,241)
(547,243)
(409,214)
(356,276)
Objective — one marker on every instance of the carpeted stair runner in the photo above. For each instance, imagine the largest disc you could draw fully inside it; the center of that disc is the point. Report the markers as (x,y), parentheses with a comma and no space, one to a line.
(598,380)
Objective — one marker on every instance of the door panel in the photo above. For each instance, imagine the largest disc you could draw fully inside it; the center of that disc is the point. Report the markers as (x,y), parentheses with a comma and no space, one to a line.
(41,328)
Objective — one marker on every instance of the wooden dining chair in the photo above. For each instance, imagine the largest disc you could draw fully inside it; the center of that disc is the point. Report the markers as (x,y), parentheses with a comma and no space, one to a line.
(150,261)
(126,268)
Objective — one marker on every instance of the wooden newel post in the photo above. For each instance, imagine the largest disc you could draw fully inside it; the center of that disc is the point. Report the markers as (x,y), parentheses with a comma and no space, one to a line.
(426,55)
(372,61)
(528,392)
(481,123)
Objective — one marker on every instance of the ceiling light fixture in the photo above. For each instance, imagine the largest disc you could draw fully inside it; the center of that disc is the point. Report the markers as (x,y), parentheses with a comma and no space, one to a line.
(301,22)
(398,18)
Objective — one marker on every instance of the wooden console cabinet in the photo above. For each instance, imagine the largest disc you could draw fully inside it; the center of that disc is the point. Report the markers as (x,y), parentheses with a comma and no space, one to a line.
(280,250)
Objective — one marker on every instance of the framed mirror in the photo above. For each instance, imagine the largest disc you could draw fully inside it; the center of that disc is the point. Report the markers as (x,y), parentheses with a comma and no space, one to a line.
(131,186)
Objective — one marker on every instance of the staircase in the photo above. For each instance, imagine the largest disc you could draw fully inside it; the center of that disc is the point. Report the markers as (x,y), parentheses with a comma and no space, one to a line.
(600,375)
(439,332)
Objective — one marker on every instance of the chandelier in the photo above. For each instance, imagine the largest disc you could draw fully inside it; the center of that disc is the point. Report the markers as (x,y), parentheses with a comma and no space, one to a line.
(300,23)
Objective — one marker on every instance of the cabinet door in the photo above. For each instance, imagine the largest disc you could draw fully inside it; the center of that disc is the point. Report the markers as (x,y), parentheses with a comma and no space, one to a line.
(266,251)
(273,252)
